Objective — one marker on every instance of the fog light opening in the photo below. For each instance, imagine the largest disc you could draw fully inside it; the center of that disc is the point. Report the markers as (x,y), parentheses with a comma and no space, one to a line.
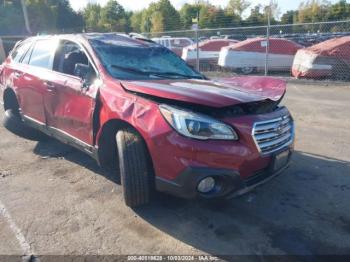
(206,185)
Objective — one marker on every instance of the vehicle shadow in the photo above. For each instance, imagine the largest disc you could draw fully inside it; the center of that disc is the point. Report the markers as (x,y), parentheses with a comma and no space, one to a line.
(52,148)
(304,211)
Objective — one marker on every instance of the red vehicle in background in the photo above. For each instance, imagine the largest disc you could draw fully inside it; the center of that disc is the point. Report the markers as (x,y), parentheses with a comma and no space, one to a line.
(175,44)
(136,107)
(330,58)
(209,52)
(249,56)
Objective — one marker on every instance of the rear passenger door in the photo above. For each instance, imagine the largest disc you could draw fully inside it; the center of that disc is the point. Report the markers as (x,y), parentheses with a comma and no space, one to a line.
(29,79)
(70,104)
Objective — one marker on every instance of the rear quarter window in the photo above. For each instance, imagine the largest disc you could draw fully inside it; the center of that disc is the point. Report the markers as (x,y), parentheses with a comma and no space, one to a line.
(26,57)
(20,51)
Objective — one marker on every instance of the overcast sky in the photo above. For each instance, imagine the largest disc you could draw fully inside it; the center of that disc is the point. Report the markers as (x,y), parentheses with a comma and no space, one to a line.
(140,4)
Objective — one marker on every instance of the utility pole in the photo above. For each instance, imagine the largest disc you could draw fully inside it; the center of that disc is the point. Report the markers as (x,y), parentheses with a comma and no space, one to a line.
(25,15)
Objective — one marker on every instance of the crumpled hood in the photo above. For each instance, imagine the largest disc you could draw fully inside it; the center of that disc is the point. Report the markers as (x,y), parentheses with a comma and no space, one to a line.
(214,93)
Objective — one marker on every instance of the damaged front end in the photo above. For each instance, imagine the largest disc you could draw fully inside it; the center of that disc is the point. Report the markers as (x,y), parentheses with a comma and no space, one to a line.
(215,98)
(203,133)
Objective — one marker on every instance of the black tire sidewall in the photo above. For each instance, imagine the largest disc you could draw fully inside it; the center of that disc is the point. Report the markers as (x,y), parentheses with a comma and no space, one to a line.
(134,167)
(13,122)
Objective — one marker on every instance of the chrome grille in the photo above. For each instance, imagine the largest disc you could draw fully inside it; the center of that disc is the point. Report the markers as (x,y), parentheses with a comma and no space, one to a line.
(274,134)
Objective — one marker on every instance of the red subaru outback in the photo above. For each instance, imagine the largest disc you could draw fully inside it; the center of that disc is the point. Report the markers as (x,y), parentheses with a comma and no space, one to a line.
(135,106)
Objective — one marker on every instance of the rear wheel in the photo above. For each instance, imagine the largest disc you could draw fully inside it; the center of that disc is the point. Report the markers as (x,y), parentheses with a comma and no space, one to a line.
(135,168)
(13,122)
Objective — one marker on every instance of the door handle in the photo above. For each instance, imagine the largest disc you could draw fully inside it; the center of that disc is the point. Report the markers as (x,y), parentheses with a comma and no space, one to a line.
(17,74)
(50,86)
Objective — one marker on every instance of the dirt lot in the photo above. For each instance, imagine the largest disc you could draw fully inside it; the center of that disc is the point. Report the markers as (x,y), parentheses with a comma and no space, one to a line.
(55,200)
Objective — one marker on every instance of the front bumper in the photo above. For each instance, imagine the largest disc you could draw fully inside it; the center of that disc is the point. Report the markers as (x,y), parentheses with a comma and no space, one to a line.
(229,183)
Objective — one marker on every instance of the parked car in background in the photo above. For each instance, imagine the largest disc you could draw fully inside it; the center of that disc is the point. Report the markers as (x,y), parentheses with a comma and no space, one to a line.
(140,110)
(330,58)
(238,37)
(202,38)
(175,44)
(250,55)
(214,37)
(209,51)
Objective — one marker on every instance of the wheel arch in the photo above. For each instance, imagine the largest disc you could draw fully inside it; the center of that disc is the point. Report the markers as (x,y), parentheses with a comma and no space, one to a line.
(10,99)
(107,144)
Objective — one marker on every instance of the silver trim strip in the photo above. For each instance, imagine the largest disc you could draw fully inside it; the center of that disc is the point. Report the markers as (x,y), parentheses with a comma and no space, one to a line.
(272,135)
(268,144)
(28,118)
(86,146)
(286,121)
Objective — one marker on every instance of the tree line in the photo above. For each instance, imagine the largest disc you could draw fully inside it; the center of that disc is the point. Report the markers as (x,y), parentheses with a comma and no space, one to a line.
(45,16)
(57,16)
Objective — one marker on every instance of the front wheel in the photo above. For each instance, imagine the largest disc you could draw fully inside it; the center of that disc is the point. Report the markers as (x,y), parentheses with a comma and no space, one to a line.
(135,168)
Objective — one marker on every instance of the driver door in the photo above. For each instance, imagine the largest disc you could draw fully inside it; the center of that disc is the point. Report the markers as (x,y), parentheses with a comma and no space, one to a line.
(70,102)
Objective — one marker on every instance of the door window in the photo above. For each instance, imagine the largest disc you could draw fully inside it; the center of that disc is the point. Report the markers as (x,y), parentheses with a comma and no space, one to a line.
(68,56)
(42,54)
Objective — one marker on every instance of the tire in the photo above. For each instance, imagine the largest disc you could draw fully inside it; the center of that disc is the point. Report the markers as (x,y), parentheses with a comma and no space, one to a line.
(247,70)
(135,168)
(12,122)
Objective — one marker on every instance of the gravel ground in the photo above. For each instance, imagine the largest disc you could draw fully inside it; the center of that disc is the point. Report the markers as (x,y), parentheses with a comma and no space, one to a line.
(55,200)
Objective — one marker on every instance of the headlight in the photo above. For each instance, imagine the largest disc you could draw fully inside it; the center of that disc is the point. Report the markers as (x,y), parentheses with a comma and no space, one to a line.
(196,125)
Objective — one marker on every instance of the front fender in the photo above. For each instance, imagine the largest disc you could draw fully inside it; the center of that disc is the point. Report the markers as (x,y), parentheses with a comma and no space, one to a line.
(140,113)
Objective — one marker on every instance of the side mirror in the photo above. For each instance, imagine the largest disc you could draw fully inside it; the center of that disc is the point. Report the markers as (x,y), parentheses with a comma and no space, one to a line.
(82,71)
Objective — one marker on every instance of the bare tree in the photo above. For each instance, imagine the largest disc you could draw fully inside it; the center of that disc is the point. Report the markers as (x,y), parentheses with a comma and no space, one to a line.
(274,9)
(238,6)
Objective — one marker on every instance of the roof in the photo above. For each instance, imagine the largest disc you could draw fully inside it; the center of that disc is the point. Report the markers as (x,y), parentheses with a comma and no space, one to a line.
(339,47)
(213,44)
(276,46)
(107,38)
(119,39)
(257,39)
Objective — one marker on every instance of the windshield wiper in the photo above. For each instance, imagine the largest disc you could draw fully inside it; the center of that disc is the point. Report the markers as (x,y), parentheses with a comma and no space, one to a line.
(160,73)
(155,73)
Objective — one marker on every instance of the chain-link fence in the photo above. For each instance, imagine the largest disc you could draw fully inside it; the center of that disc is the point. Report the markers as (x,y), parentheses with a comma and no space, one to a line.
(309,50)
